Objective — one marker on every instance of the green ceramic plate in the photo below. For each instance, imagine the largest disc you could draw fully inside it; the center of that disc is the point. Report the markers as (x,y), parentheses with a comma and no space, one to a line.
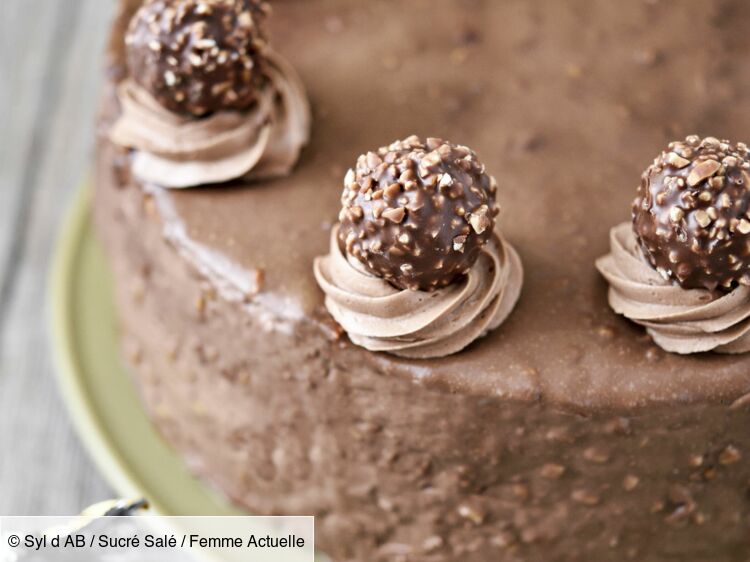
(97,389)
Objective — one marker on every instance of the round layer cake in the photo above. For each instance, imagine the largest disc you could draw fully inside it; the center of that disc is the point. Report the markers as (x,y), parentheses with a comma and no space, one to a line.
(564,434)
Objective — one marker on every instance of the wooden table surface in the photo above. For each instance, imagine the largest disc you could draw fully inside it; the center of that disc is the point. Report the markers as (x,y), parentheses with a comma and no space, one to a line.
(50,71)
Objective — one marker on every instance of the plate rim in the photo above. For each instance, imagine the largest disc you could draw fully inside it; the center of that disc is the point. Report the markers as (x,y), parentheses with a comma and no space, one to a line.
(66,253)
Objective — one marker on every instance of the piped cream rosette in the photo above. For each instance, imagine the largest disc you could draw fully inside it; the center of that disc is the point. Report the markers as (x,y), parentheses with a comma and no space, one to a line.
(175,151)
(421,324)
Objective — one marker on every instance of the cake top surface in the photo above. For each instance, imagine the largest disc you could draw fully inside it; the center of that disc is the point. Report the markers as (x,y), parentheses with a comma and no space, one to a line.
(565,104)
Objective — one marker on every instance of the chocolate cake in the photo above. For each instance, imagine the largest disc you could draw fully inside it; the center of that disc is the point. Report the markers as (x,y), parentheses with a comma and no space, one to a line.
(564,432)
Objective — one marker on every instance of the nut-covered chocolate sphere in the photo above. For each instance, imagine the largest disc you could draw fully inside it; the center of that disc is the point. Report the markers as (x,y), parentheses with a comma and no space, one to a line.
(691,213)
(417,213)
(198,56)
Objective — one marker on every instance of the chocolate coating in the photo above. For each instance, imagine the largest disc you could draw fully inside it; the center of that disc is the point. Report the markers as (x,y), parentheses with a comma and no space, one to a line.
(566,435)
(691,213)
(417,213)
(198,56)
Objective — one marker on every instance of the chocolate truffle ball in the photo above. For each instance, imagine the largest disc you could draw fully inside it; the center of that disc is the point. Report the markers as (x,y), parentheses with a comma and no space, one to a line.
(198,56)
(417,213)
(691,214)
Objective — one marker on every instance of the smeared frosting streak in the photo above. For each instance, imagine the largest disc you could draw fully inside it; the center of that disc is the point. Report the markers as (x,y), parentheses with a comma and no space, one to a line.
(173,150)
(679,320)
(420,324)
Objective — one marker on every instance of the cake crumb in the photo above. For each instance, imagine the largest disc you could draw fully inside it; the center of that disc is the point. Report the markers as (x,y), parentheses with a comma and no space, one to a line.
(630,482)
(730,455)
(552,471)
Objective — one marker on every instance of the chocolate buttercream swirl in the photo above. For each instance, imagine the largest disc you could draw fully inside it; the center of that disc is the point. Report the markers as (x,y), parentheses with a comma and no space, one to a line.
(679,320)
(173,150)
(420,324)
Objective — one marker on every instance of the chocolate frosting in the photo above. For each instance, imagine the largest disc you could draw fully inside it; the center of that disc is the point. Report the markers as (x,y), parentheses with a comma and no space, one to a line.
(562,333)
(467,457)
(679,320)
(420,324)
(177,151)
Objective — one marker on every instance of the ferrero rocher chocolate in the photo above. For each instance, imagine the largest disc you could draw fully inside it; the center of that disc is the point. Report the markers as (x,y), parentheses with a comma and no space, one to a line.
(691,213)
(198,56)
(417,213)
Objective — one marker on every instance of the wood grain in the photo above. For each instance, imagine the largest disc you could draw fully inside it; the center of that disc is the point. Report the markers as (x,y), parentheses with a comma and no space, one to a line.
(49,79)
